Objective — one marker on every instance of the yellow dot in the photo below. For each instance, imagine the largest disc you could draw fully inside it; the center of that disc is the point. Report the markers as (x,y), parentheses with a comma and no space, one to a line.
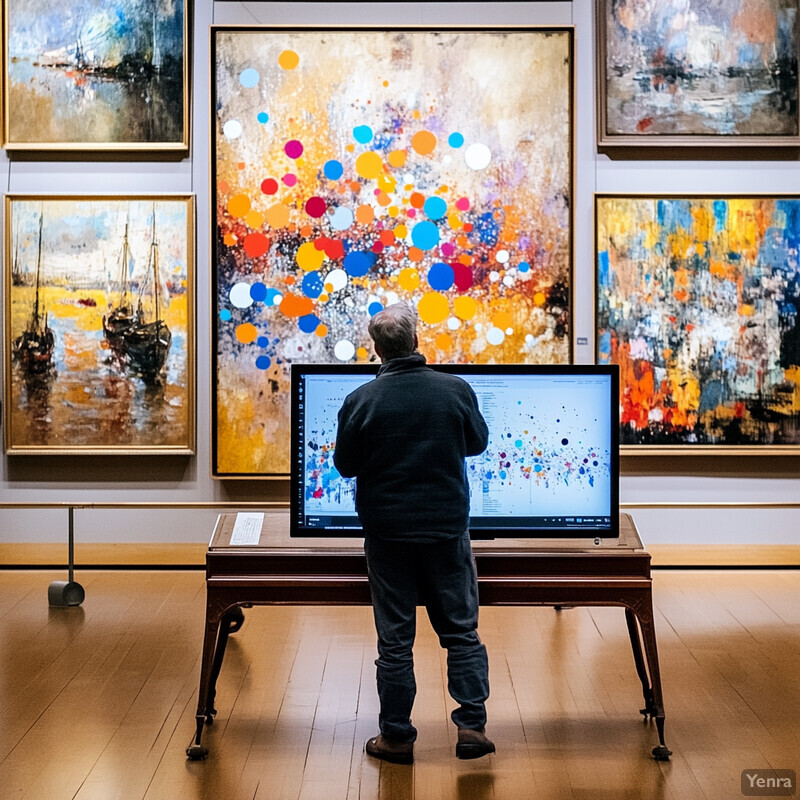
(433,307)
(539,299)
(322,330)
(238,205)
(362,354)
(246,333)
(254,220)
(369,165)
(323,298)
(465,307)
(408,279)
(454,222)
(328,287)
(393,211)
(288,59)
(308,257)
(401,231)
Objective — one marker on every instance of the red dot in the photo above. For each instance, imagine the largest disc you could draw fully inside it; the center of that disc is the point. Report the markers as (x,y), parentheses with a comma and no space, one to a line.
(256,244)
(316,206)
(377,247)
(269,186)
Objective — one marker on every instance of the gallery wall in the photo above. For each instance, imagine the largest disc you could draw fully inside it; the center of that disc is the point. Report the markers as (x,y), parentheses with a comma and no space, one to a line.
(697,499)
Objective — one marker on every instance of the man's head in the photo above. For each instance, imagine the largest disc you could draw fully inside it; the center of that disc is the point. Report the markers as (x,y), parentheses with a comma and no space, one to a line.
(394,331)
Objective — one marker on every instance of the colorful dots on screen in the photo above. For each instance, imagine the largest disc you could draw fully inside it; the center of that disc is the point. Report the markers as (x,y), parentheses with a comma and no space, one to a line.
(455,140)
(425,235)
(333,170)
(362,134)
(288,59)
(293,148)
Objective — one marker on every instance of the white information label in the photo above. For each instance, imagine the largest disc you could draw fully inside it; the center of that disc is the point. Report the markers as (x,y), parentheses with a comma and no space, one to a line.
(247,529)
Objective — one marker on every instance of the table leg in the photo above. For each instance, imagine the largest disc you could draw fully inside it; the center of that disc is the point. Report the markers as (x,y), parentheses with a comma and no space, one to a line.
(214,615)
(654,702)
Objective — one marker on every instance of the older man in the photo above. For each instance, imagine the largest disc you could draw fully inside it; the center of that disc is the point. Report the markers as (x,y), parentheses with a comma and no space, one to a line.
(404,437)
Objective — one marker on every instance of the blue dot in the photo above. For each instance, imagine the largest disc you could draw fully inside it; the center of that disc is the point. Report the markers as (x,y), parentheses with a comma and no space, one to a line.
(455,139)
(308,323)
(374,308)
(312,285)
(362,134)
(262,341)
(537,468)
(441,276)
(565,441)
(518,443)
(435,208)
(425,235)
(358,263)
(249,78)
(524,266)
(503,474)
(273,297)
(225,315)
(263,362)
(333,170)
(263,117)
(258,292)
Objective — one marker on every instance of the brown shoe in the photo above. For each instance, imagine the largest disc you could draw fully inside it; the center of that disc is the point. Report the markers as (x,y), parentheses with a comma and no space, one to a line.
(396,752)
(473,744)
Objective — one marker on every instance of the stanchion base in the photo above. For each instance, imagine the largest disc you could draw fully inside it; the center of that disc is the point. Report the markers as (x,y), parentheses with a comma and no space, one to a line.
(65,593)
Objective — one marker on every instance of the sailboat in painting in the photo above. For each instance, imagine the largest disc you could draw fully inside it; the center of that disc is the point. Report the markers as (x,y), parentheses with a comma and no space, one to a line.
(122,316)
(34,347)
(147,341)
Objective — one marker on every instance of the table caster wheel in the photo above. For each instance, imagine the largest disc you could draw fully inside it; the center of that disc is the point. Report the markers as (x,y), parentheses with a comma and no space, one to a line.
(195,752)
(661,753)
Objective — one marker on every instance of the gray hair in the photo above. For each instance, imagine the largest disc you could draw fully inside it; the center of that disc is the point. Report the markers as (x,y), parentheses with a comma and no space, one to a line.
(394,330)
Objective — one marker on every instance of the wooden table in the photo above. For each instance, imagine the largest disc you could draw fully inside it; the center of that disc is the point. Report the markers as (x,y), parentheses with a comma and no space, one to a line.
(518,572)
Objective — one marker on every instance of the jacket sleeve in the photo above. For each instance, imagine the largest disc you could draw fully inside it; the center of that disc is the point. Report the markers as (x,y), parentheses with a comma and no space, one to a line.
(476,432)
(347,454)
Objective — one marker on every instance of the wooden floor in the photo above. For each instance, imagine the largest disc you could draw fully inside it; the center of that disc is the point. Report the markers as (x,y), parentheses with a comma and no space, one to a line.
(98,702)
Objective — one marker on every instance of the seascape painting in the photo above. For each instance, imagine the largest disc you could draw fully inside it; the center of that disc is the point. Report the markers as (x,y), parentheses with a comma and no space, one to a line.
(698,301)
(698,72)
(355,169)
(107,74)
(99,324)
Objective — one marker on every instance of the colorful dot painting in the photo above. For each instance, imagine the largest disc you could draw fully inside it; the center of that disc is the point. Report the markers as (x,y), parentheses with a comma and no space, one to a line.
(429,169)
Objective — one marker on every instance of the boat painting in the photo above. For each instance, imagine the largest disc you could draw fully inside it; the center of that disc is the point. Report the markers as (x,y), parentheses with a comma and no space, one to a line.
(100,395)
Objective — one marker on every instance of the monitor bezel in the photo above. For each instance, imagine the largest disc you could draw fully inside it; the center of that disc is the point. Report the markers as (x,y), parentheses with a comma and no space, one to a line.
(297,528)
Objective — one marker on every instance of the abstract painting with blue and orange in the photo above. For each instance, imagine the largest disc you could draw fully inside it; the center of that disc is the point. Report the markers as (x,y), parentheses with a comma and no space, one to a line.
(698,301)
(726,68)
(355,169)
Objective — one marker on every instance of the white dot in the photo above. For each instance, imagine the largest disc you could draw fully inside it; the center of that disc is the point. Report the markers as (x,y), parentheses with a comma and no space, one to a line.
(477,156)
(344,350)
(454,323)
(508,280)
(494,276)
(341,218)
(232,129)
(509,331)
(528,338)
(502,256)
(337,278)
(495,336)
(240,295)
(392,298)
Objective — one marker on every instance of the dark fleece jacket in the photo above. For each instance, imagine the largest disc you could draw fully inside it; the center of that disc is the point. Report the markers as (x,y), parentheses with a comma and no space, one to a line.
(404,437)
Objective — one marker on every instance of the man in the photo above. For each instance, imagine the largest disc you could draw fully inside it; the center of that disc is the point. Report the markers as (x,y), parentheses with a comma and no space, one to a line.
(404,437)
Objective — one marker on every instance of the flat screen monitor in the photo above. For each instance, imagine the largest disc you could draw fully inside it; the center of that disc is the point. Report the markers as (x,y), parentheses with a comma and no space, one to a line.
(551,469)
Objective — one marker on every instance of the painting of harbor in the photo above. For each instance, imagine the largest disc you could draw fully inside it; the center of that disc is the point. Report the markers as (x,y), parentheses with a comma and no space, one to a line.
(108,74)
(99,325)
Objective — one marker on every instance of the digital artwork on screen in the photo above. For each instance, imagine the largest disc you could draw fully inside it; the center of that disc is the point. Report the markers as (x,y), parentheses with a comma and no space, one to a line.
(354,169)
(697,302)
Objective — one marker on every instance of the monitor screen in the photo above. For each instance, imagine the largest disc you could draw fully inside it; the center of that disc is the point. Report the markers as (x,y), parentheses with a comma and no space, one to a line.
(551,469)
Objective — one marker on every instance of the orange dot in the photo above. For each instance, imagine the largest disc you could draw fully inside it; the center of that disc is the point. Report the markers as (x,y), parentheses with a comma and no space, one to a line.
(223,187)
(417,200)
(397,158)
(256,244)
(350,148)
(386,83)
(246,332)
(288,59)
(355,186)
(384,199)
(423,142)
(502,320)
(294,305)
(415,254)
(387,238)
(539,299)
(306,231)
(365,214)
(362,354)
(277,216)
(444,342)
(290,280)
(229,239)
(322,330)
(238,205)
(254,219)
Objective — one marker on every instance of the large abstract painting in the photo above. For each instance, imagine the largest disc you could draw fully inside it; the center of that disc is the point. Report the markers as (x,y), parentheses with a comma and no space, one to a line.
(99,325)
(356,168)
(698,301)
(96,74)
(697,72)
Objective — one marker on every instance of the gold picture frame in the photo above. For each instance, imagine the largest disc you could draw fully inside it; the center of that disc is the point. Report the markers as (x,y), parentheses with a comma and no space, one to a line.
(697,302)
(97,75)
(99,324)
